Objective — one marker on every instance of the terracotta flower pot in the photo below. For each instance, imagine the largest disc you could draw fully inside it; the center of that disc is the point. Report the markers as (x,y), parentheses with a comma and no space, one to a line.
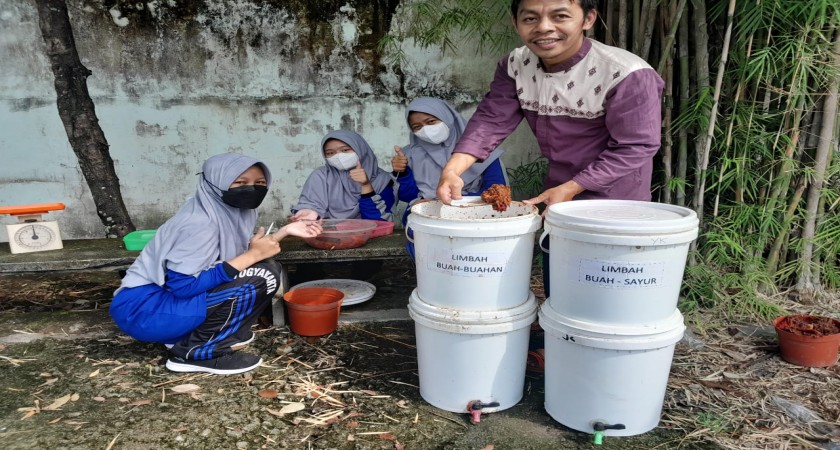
(809,341)
(313,311)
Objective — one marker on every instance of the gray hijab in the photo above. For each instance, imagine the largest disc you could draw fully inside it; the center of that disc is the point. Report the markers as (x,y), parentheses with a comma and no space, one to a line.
(330,192)
(204,231)
(427,160)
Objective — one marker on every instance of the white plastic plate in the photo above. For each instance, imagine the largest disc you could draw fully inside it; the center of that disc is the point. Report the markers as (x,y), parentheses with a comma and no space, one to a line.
(355,291)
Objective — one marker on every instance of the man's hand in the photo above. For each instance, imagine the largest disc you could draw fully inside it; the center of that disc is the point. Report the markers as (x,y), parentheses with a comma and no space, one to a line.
(450,184)
(449,187)
(559,194)
(399,162)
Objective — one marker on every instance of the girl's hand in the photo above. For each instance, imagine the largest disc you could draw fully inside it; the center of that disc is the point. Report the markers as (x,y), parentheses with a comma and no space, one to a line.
(399,162)
(359,175)
(303,229)
(304,214)
(260,248)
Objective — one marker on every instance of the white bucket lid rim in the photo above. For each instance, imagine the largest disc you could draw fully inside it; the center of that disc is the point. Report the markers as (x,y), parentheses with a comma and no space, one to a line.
(472,316)
(513,226)
(473,321)
(675,320)
(621,216)
(516,211)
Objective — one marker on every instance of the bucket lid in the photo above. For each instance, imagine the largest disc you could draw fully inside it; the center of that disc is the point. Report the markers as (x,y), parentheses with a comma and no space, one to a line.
(470,210)
(609,336)
(519,219)
(622,217)
(468,321)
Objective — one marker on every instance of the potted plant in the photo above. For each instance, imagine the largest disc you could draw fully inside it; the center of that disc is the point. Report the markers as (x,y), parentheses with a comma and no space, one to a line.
(810,341)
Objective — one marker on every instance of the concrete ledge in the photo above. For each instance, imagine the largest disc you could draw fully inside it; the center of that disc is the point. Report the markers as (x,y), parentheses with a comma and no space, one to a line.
(110,254)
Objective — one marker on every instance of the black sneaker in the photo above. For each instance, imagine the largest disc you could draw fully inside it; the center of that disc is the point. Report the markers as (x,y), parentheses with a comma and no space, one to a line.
(244,342)
(230,364)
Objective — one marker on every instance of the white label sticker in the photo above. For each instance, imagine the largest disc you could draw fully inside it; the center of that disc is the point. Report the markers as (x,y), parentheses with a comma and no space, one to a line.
(469,264)
(620,274)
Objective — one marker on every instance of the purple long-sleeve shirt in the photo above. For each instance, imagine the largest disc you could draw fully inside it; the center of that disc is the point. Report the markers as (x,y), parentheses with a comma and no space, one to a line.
(596,117)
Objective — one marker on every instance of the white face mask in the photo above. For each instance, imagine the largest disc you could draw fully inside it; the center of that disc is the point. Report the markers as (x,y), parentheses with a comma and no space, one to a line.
(343,161)
(433,134)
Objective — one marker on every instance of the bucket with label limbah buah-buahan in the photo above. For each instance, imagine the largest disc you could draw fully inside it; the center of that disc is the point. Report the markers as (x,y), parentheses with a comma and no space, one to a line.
(611,318)
(473,307)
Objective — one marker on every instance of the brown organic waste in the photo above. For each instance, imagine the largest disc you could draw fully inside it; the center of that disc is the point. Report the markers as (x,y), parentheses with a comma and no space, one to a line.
(499,196)
(816,326)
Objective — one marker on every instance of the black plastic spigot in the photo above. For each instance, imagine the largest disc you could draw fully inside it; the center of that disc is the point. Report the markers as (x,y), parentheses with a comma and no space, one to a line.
(477,405)
(474,408)
(600,427)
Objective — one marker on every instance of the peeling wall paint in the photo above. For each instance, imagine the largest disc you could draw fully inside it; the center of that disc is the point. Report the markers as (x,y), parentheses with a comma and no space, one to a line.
(176,82)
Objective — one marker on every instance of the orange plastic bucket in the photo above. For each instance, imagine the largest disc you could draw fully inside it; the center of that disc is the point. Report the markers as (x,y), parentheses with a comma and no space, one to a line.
(313,311)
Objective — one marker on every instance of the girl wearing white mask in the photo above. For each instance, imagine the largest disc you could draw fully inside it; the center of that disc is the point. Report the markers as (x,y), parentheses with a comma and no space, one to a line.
(435,129)
(350,185)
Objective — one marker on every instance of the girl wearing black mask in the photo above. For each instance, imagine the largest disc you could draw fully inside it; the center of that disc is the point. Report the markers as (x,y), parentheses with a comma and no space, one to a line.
(205,277)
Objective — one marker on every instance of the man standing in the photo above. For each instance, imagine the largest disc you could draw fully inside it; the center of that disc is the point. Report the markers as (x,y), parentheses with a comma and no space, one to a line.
(594,109)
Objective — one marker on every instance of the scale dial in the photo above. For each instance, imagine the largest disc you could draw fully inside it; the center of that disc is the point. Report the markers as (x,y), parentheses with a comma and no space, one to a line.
(34,236)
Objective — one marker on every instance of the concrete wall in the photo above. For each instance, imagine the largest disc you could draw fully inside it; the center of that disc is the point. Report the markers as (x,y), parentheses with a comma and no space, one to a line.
(175,82)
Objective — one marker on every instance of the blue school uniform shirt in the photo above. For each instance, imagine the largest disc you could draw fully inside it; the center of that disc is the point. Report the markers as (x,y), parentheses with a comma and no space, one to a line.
(168,313)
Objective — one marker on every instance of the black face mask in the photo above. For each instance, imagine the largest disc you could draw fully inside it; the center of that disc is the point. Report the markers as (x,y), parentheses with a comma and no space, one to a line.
(242,197)
(245,197)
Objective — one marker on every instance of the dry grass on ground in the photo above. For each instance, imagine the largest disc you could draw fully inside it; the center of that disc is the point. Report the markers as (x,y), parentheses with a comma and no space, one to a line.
(728,384)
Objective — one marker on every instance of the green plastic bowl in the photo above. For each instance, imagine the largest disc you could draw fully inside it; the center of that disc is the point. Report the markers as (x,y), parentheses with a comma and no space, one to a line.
(136,240)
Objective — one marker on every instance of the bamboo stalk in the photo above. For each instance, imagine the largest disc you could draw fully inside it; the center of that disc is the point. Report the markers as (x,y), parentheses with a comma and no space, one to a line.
(781,236)
(622,24)
(806,281)
(667,133)
(645,32)
(701,66)
(704,157)
(637,12)
(669,39)
(685,89)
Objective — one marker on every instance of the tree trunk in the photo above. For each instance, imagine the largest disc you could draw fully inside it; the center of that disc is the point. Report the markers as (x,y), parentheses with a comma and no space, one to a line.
(78,115)
(807,283)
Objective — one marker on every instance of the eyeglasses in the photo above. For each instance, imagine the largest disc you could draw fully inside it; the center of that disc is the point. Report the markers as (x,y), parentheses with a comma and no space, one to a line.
(330,152)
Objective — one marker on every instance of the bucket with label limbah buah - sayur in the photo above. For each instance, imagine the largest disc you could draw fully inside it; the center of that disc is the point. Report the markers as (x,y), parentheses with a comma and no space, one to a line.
(611,318)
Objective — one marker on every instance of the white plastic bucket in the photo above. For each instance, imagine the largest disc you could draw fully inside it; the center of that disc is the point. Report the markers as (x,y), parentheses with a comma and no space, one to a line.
(475,261)
(597,373)
(464,356)
(617,261)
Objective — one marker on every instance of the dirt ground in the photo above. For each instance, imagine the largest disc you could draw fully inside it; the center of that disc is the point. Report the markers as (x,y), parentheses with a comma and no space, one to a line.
(70,380)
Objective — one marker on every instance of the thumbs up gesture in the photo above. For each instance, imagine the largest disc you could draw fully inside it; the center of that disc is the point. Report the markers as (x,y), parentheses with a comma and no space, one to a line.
(359,175)
(399,162)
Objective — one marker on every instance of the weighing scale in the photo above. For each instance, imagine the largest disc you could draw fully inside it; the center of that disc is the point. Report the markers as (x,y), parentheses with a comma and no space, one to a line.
(31,233)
